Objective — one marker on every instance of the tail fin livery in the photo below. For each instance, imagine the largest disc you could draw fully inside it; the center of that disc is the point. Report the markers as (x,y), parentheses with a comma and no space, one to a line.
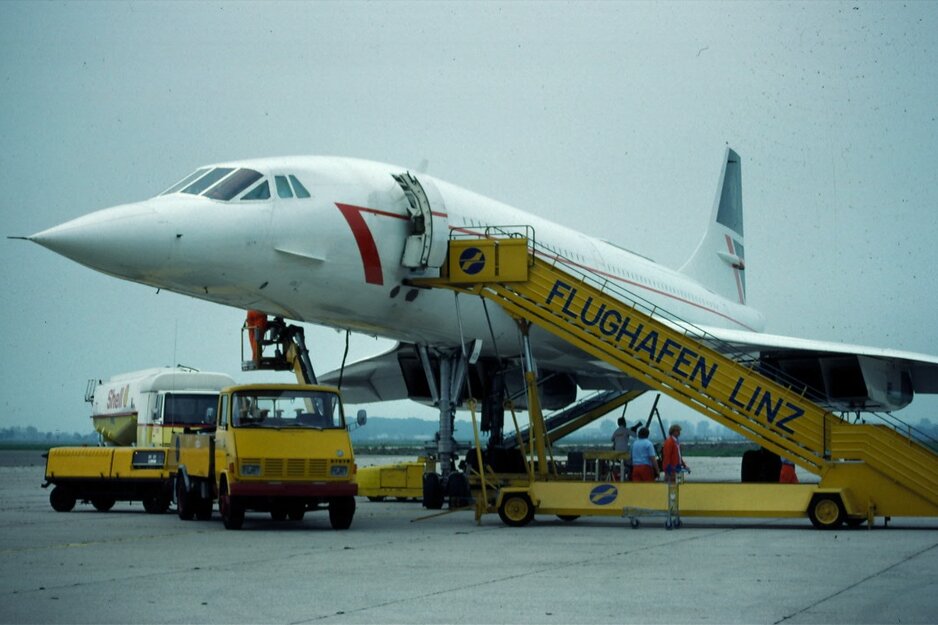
(719,261)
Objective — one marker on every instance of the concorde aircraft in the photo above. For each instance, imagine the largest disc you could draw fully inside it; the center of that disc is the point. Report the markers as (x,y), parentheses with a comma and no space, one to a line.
(335,241)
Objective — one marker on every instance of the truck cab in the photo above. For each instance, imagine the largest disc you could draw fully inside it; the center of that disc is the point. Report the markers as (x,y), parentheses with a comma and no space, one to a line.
(277,448)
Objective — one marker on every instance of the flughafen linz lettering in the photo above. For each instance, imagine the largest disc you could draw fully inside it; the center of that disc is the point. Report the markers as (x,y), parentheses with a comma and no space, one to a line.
(684,361)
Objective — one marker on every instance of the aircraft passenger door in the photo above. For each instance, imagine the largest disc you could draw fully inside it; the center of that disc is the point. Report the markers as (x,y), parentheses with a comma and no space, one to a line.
(425,245)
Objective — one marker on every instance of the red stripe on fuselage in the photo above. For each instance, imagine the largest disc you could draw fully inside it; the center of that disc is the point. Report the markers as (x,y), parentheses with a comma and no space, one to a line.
(365,241)
(367,246)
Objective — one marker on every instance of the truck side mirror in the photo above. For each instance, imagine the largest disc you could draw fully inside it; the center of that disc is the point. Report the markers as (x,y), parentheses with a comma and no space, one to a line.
(361,418)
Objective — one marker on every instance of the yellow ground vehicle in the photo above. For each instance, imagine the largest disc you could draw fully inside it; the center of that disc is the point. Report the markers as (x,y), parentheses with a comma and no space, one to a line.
(104,475)
(277,448)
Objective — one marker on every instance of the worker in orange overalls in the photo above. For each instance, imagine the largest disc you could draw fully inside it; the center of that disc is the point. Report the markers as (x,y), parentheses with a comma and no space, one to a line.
(671,454)
(787,475)
(256,325)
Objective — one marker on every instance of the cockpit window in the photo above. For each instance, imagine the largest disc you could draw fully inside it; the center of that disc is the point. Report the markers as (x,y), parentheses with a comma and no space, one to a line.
(298,188)
(283,187)
(208,180)
(260,192)
(198,173)
(233,184)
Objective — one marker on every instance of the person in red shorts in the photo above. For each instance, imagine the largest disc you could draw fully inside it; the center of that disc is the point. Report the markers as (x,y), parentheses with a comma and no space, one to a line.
(644,460)
(787,475)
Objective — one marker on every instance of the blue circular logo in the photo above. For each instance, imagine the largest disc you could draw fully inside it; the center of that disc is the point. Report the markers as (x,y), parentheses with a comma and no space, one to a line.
(603,495)
(472,261)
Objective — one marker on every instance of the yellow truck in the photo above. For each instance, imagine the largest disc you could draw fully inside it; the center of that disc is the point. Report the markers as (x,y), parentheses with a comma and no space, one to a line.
(283,449)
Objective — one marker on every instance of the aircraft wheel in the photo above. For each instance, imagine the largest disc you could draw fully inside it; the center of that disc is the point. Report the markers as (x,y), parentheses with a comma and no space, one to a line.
(231,509)
(826,512)
(433,494)
(635,523)
(103,503)
(516,510)
(341,512)
(378,498)
(278,514)
(62,499)
(568,517)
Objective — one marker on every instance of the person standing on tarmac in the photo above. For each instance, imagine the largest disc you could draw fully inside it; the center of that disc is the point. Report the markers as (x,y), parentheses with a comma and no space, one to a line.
(672,460)
(787,475)
(620,438)
(644,460)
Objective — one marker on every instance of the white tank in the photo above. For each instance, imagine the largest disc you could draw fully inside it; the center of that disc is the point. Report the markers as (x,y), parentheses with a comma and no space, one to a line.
(145,407)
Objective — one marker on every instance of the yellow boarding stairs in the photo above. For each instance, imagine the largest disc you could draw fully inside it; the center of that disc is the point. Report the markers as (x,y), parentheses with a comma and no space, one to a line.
(865,470)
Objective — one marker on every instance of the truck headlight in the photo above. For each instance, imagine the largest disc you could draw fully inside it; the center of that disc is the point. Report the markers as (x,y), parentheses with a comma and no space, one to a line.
(339,470)
(253,470)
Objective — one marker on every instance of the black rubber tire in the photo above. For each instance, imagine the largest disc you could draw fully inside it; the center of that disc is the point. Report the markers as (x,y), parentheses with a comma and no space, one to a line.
(103,503)
(516,510)
(457,488)
(184,507)
(231,509)
(203,509)
(296,513)
(378,498)
(433,494)
(62,499)
(278,514)
(569,518)
(155,504)
(826,511)
(341,512)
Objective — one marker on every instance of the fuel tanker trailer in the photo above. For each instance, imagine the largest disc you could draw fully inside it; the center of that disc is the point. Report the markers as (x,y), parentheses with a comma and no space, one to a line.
(135,415)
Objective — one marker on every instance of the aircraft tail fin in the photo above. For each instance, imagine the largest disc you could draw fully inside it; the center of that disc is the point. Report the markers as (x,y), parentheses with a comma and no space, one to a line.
(719,261)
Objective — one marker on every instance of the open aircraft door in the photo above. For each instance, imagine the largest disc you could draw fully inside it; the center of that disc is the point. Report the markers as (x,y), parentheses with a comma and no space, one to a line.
(426,242)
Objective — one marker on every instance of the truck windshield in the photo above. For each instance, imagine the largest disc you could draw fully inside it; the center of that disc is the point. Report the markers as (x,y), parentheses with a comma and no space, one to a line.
(189,409)
(287,408)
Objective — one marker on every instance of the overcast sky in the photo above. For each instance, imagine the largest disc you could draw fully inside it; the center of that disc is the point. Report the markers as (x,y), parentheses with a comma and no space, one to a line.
(608,117)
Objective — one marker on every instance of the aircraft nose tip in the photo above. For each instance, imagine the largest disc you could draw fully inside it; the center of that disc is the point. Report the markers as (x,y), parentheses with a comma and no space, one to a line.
(113,240)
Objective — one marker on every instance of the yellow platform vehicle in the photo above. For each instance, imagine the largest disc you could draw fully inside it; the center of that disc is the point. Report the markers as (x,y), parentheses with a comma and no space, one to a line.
(283,449)
(103,476)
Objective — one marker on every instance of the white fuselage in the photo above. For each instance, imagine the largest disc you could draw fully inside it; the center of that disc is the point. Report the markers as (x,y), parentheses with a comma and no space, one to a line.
(335,258)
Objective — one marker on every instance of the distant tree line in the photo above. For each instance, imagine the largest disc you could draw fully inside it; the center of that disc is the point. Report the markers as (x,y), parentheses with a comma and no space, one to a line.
(382,429)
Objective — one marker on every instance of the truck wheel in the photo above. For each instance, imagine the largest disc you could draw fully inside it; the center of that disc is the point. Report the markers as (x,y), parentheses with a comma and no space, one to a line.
(155,504)
(62,499)
(516,510)
(296,513)
(184,506)
(103,503)
(203,509)
(826,512)
(231,509)
(341,511)
(278,514)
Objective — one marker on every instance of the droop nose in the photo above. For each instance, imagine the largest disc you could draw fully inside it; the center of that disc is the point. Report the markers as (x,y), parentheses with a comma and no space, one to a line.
(129,241)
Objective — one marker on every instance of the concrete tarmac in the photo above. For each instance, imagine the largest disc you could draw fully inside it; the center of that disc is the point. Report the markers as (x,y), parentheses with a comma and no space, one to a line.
(126,566)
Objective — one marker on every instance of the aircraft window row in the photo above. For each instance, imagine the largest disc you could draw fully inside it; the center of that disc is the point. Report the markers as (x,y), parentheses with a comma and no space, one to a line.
(233,184)
(226,183)
(284,190)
